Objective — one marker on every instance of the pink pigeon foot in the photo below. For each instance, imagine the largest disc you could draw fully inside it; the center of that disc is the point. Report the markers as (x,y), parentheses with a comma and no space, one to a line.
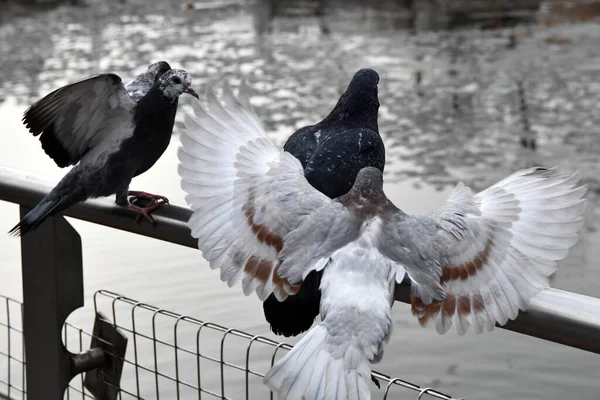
(156,201)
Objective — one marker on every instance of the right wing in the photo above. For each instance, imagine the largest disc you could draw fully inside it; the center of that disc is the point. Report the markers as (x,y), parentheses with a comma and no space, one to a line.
(139,86)
(247,196)
(481,257)
(80,116)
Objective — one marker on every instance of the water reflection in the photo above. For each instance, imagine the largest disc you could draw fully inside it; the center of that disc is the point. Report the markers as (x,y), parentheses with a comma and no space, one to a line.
(470,104)
(391,15)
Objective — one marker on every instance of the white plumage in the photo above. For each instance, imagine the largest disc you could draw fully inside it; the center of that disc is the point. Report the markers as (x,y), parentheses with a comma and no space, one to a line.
(476,261)
(493,251)
(221,176)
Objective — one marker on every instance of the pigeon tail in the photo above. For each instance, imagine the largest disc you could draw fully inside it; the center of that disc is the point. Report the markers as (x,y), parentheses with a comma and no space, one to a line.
(311,371)
(34,218)
(297,313)
(60,198)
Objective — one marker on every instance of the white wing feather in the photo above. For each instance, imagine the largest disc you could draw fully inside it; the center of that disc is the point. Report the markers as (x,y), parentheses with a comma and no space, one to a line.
(246,194)
(488,253)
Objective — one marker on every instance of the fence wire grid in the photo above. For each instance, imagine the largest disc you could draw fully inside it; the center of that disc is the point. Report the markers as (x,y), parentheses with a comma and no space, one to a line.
(170,356)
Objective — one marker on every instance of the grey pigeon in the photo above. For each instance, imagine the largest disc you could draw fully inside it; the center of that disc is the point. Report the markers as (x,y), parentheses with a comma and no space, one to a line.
(331,152)
(95,125)
(474,262)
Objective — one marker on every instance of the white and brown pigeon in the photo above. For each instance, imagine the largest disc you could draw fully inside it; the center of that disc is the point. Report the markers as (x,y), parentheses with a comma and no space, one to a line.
(96,125)
(474,262)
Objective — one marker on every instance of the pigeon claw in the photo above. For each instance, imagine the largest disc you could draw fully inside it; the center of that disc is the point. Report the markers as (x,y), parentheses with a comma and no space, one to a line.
(136,196)
(375,381)
(144,204)
(144,213)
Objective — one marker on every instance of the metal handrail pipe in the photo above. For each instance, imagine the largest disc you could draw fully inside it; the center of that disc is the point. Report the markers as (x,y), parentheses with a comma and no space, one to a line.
(555,315)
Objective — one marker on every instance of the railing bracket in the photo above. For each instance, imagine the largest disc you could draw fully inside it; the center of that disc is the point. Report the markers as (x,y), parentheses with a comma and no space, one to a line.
(103,383)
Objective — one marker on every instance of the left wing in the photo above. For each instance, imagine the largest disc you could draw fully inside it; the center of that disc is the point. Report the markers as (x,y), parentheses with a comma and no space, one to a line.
(479,259)
(91,113)
(247,195)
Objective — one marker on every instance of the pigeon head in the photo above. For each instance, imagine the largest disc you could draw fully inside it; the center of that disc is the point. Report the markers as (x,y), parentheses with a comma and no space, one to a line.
(368,178)
(174,82)
(365,79)
(360,102)
(159,68)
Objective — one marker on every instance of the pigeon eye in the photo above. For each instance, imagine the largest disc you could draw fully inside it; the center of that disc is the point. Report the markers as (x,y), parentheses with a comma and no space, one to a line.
(176,80)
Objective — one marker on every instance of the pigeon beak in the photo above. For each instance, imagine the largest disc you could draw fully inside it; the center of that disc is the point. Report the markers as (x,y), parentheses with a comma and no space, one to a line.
(191,91)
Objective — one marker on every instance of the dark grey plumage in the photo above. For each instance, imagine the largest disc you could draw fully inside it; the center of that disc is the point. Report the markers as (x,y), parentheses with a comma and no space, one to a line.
(95,125)
(332,152)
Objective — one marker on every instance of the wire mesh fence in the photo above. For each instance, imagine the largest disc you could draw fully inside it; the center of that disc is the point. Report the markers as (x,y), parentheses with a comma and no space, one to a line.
(170,356)
(12,351)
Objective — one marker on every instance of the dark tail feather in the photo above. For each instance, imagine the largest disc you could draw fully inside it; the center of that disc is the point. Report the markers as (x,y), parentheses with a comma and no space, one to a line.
(297,313)
(35,217)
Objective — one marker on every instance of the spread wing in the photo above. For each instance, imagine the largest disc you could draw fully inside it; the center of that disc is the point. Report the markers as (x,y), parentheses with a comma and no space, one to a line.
(247,195)
(80,116)
(479,259)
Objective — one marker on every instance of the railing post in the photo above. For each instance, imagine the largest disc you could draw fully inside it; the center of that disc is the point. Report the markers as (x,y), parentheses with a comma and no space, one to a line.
(52,289)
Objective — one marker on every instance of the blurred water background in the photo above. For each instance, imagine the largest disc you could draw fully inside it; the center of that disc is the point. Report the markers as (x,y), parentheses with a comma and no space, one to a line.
(469,91)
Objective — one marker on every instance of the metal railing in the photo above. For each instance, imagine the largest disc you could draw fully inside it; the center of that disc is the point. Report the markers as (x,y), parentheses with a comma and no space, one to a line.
(51,268)
(172,356)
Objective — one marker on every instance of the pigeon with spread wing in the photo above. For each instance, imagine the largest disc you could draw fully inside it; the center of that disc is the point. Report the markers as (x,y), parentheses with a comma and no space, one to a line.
(97,126)
(475,262)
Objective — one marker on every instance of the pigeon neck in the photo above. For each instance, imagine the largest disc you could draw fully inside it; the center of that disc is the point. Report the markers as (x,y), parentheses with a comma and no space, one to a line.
(155,110)
(366,201)
(367,188)
(366,197)
(169,99)
(157,94)
(356,106)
